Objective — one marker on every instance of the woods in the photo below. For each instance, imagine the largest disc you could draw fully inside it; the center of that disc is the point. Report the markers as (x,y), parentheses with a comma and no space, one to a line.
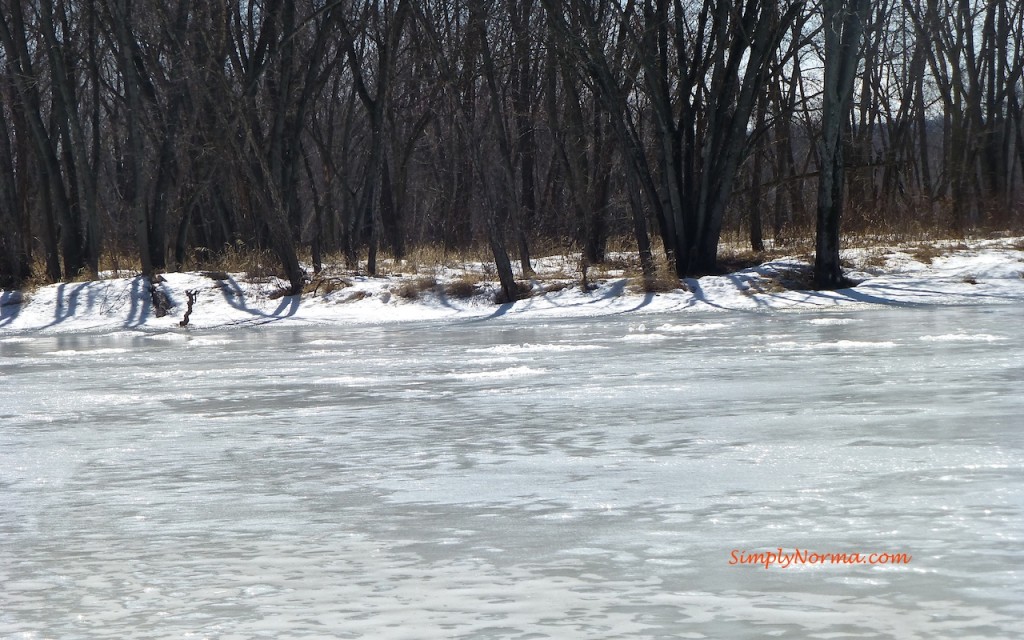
(175,132)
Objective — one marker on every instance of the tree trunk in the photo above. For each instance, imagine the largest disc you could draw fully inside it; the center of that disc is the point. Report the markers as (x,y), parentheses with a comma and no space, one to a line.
(843,21)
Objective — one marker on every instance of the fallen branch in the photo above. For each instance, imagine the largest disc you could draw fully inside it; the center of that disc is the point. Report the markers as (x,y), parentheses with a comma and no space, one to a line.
(192,295)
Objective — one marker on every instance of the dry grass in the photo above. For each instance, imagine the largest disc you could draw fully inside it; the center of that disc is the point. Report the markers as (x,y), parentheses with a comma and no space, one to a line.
(797,278)
(560,274)
(83,275)
(626,262)
(731,261)
(554,287)
(910,232)
(279,292)
(875,259)
(664,280)
(121,265)
(463,288)
(621,244)
(356,296)
(428,259)
(523,290)
(661,282)
(325,285)
(258,265)
(412,289)
(769,285)
(263,271)
(927,252)
(37,278)
(733,257)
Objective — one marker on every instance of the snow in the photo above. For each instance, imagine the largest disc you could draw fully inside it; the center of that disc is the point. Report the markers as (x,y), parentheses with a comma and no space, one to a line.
(975,272)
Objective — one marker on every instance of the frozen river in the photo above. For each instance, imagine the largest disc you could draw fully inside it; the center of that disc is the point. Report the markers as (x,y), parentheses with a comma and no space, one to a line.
(498,479)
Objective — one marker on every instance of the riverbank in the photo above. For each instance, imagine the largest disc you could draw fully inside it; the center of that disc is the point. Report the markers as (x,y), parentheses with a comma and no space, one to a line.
(989,271)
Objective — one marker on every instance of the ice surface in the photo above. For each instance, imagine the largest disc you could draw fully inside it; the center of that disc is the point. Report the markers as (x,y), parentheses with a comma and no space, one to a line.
(514,479)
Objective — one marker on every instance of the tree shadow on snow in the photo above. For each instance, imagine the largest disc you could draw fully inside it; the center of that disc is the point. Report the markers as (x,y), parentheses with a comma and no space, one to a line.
(66,304)
(693,284)
(939,296)
(235,297)
(880,298)
(140,302)
(502,309)
(10,306)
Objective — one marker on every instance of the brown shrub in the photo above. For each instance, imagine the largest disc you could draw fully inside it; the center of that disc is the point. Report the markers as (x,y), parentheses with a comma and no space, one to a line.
(523,290)
(462,288)
(279,292)
(876,259)
(412,289)
(926,252)
(663,281)
(356,296)
(555,286)
(325,285)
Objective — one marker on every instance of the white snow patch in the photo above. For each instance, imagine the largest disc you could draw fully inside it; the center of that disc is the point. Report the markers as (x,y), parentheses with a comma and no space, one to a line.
(347,381)
(831,321)
(963,337)
(645,337)
(169,336)
(86,352)
(699,327)
(209,342)
(859,344)
(508,349)
(501,374)
(839,344)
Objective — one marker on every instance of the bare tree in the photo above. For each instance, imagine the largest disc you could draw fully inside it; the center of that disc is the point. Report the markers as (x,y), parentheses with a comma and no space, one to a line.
(178,131)
(843,21)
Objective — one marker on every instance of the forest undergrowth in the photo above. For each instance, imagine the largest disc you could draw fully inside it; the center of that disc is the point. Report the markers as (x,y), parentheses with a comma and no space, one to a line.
(464,273)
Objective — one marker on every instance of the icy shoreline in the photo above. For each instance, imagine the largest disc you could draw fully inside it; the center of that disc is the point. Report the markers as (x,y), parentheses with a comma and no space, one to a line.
(978,272)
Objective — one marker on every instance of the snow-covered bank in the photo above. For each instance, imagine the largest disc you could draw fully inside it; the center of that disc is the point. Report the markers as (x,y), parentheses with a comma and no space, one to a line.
(979,272)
